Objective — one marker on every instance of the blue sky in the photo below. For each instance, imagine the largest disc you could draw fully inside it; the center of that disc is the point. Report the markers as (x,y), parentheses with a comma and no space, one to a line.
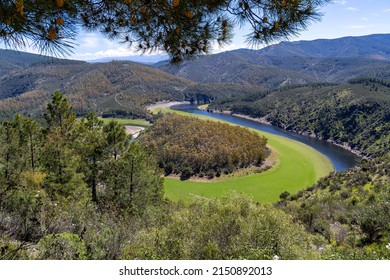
(341,18)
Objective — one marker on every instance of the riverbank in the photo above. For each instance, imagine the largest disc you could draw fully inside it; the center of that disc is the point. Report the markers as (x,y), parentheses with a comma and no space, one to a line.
(344,145)
(165,104)
(133,130)
(264,120)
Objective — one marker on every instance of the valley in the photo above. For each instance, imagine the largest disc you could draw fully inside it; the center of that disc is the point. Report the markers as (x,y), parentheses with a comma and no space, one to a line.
(73,185)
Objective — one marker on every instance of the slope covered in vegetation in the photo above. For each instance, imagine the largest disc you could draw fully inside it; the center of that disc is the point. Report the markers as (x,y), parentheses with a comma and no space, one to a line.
(356,115)
(350,209)
(189,146)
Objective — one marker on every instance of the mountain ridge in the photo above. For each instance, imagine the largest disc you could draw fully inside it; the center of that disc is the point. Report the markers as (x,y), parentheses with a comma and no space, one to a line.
(330,60)
(350,46)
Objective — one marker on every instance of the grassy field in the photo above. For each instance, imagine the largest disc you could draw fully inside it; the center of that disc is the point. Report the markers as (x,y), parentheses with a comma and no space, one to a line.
(298,166)
(136,122)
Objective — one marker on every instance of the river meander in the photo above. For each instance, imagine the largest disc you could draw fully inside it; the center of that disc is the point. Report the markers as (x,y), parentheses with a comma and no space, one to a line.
(340,158)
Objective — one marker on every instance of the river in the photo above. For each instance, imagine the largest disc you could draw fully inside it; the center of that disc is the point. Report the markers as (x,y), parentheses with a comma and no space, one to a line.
(341,158)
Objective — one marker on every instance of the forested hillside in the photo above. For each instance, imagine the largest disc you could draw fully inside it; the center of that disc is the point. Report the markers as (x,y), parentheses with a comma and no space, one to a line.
(102,88)
(189,146)
(356,115)
(115,89)
(350,209)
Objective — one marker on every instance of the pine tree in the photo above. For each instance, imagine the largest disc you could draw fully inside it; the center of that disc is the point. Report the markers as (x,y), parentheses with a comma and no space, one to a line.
(182,28)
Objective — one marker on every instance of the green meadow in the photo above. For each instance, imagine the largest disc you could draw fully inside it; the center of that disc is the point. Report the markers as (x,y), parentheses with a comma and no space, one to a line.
(135,122)
(297,167)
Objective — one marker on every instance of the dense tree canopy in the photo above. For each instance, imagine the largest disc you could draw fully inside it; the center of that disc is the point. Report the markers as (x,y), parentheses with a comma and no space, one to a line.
(182,28)
(190,146)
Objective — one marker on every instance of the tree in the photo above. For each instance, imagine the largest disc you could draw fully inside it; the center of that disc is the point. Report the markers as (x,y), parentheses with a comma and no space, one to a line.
(93,149)
(133,181)
(20,139)
(60,114)
(116,138)
(59,155)
(182,28)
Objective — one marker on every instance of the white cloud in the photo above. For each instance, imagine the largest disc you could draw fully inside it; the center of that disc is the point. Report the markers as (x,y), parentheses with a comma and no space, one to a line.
(360,26)
(353,9)
(341,2)
(118,52)
(365,19)
(387,11)
(216,48)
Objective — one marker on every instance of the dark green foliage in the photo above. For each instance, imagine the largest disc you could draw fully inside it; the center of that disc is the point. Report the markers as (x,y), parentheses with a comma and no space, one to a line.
(64,246)
(233,227)
(351,209)
(189,146)
(132,181)
(183,29)
(55,180)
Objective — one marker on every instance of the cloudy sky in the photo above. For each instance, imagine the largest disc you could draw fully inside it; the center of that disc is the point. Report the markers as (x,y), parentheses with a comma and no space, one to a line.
(341,18)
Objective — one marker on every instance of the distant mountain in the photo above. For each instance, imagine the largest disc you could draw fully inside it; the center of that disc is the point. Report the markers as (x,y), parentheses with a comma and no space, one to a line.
(303,62)
(374,46)
(10,59)
(235,67)
(143,59)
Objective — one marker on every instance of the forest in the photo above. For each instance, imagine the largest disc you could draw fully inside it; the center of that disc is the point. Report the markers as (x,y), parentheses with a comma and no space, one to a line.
(190,146)
(79,189)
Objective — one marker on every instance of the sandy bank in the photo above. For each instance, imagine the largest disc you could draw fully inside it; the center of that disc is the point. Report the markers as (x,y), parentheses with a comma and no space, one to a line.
(159,105)
(134,130)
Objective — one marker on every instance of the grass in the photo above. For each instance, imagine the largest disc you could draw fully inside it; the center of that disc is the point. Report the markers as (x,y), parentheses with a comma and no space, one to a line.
(297,167)
(136,122)
(203,106)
